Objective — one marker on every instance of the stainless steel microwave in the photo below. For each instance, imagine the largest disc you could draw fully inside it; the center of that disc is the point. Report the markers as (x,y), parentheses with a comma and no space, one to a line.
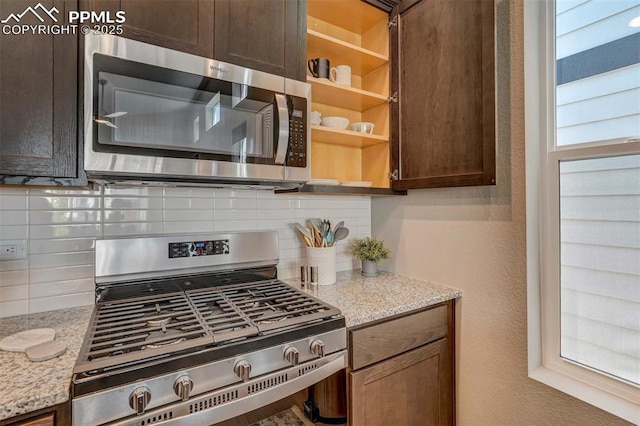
(153,114)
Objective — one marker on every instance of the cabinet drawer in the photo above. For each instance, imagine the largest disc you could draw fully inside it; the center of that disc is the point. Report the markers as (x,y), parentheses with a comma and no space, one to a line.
(371,344)
(46,420)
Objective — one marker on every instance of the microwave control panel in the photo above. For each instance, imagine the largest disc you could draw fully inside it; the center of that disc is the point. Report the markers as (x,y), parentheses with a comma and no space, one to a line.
(297,152)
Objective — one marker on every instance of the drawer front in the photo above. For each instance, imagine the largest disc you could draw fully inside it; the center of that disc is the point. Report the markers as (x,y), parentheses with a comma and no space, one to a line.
(381,341)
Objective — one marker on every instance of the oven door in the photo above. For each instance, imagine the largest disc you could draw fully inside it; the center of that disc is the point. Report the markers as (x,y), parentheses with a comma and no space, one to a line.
(155,113)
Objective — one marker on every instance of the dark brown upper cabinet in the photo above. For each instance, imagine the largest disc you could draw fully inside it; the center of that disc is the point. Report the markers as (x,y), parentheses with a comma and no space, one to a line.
(443,71)
(269,36)
(183,25)
(39,102)
(423,72)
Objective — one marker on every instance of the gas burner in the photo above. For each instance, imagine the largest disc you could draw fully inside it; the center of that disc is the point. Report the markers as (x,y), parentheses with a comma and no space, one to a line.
(174,336)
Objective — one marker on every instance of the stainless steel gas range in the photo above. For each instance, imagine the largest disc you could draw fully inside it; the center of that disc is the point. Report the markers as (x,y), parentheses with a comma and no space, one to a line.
(194,330)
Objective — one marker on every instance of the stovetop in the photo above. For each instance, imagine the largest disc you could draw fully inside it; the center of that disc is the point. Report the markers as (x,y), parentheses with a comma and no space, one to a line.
(126,331)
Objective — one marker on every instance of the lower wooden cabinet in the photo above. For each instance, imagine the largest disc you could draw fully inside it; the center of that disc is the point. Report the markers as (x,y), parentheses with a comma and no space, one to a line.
(46,420)
(401,370)
(407,389)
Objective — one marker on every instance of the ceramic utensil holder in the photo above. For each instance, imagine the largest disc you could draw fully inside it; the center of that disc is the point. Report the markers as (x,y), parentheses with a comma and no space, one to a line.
(325,259)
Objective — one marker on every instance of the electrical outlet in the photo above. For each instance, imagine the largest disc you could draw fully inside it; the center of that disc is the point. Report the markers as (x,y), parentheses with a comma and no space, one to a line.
(13,249)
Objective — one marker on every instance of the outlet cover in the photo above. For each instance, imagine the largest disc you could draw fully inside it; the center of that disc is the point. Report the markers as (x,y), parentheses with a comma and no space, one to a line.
(13,249)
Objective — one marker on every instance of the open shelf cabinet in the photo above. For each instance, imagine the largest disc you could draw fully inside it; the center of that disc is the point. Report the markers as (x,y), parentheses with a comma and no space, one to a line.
(350,32)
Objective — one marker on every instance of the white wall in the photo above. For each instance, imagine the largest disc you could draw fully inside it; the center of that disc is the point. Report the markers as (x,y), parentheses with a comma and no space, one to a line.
(61,226)
(474,239)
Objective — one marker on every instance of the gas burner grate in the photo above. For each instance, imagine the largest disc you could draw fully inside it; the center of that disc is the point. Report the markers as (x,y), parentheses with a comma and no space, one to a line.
(135,329)
(130,330)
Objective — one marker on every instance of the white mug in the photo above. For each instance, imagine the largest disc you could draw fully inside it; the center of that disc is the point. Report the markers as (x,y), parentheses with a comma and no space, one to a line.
(342,75)
(316,117)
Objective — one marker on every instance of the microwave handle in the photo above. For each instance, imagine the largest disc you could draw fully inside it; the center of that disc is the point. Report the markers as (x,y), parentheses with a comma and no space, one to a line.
(283,131)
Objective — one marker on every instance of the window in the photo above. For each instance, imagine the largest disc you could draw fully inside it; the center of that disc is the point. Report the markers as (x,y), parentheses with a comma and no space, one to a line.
(582,90)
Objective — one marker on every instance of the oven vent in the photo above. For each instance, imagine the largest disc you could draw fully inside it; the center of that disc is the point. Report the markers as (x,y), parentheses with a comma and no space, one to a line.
(266,384)
(306,369)
(220,399)
(157,418)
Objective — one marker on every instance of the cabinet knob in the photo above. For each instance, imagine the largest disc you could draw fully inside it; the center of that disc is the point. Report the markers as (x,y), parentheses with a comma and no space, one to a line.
(183,387)
(292,356)
(317,348)
(242,370)
(139,399)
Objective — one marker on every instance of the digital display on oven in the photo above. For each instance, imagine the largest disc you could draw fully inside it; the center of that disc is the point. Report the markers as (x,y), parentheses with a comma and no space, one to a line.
(198,248)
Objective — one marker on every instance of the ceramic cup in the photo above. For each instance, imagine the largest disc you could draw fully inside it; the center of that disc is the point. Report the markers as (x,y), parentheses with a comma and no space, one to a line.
(316,117)
(341,75)
(319,67)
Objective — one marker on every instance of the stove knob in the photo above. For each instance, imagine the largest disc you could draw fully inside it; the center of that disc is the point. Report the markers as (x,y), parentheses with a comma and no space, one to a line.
(291,355)
(139,399)
(317,348)
(183,387)
(242,370)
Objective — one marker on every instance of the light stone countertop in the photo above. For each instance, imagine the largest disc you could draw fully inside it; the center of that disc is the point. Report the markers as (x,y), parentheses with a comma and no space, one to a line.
(29,386)
(364,299)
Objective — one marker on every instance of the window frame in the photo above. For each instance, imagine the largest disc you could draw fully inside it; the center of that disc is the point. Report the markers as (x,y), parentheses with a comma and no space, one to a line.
(543,225)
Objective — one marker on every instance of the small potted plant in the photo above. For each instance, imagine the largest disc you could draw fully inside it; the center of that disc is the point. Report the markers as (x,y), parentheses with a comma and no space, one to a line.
(370,251)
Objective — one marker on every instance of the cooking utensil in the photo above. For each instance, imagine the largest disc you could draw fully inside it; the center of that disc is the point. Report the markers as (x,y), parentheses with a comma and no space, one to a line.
(306,235)
(341,234)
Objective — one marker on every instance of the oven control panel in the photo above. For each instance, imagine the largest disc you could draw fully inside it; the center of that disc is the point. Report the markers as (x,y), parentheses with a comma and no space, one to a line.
(297,152)
(198,248)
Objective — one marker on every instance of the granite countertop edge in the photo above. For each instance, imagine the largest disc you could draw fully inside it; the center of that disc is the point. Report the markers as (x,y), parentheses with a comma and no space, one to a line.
(38,385)
(367,299)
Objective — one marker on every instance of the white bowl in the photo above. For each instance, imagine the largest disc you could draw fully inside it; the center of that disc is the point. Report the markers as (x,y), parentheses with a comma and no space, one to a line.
(363,127)
(335,122)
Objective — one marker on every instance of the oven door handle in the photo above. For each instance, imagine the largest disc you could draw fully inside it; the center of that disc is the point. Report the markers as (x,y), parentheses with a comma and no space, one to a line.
(283,128)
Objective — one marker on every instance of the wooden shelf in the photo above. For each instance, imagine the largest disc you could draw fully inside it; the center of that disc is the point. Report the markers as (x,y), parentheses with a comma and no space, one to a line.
(345,137)
(339,52)
(352,15)
(329,93)
(339,190)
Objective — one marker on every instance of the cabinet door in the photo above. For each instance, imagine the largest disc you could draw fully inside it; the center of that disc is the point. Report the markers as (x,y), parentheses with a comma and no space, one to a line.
(443,71)
(412,389)
(38,99)
(268,36)
(183,25)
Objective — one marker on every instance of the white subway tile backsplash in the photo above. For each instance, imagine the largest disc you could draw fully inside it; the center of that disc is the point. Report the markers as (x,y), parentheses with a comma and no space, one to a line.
(61,273)
(188,203)
(14,265)
(188,192)
(61,226)
(44,217)
(235,225)
(50,260)
(42,304)
(9,278)
(188,215)
(59,288)
(61,245)
(13,201)
(133,228)
(235,215)
(145,191)
(132,203)
(13,217)
(44,232)
(235,203)
(10,309)
(15,232)
(120,216)
(235,193)
(14,292)
(187,227)
(66,202)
